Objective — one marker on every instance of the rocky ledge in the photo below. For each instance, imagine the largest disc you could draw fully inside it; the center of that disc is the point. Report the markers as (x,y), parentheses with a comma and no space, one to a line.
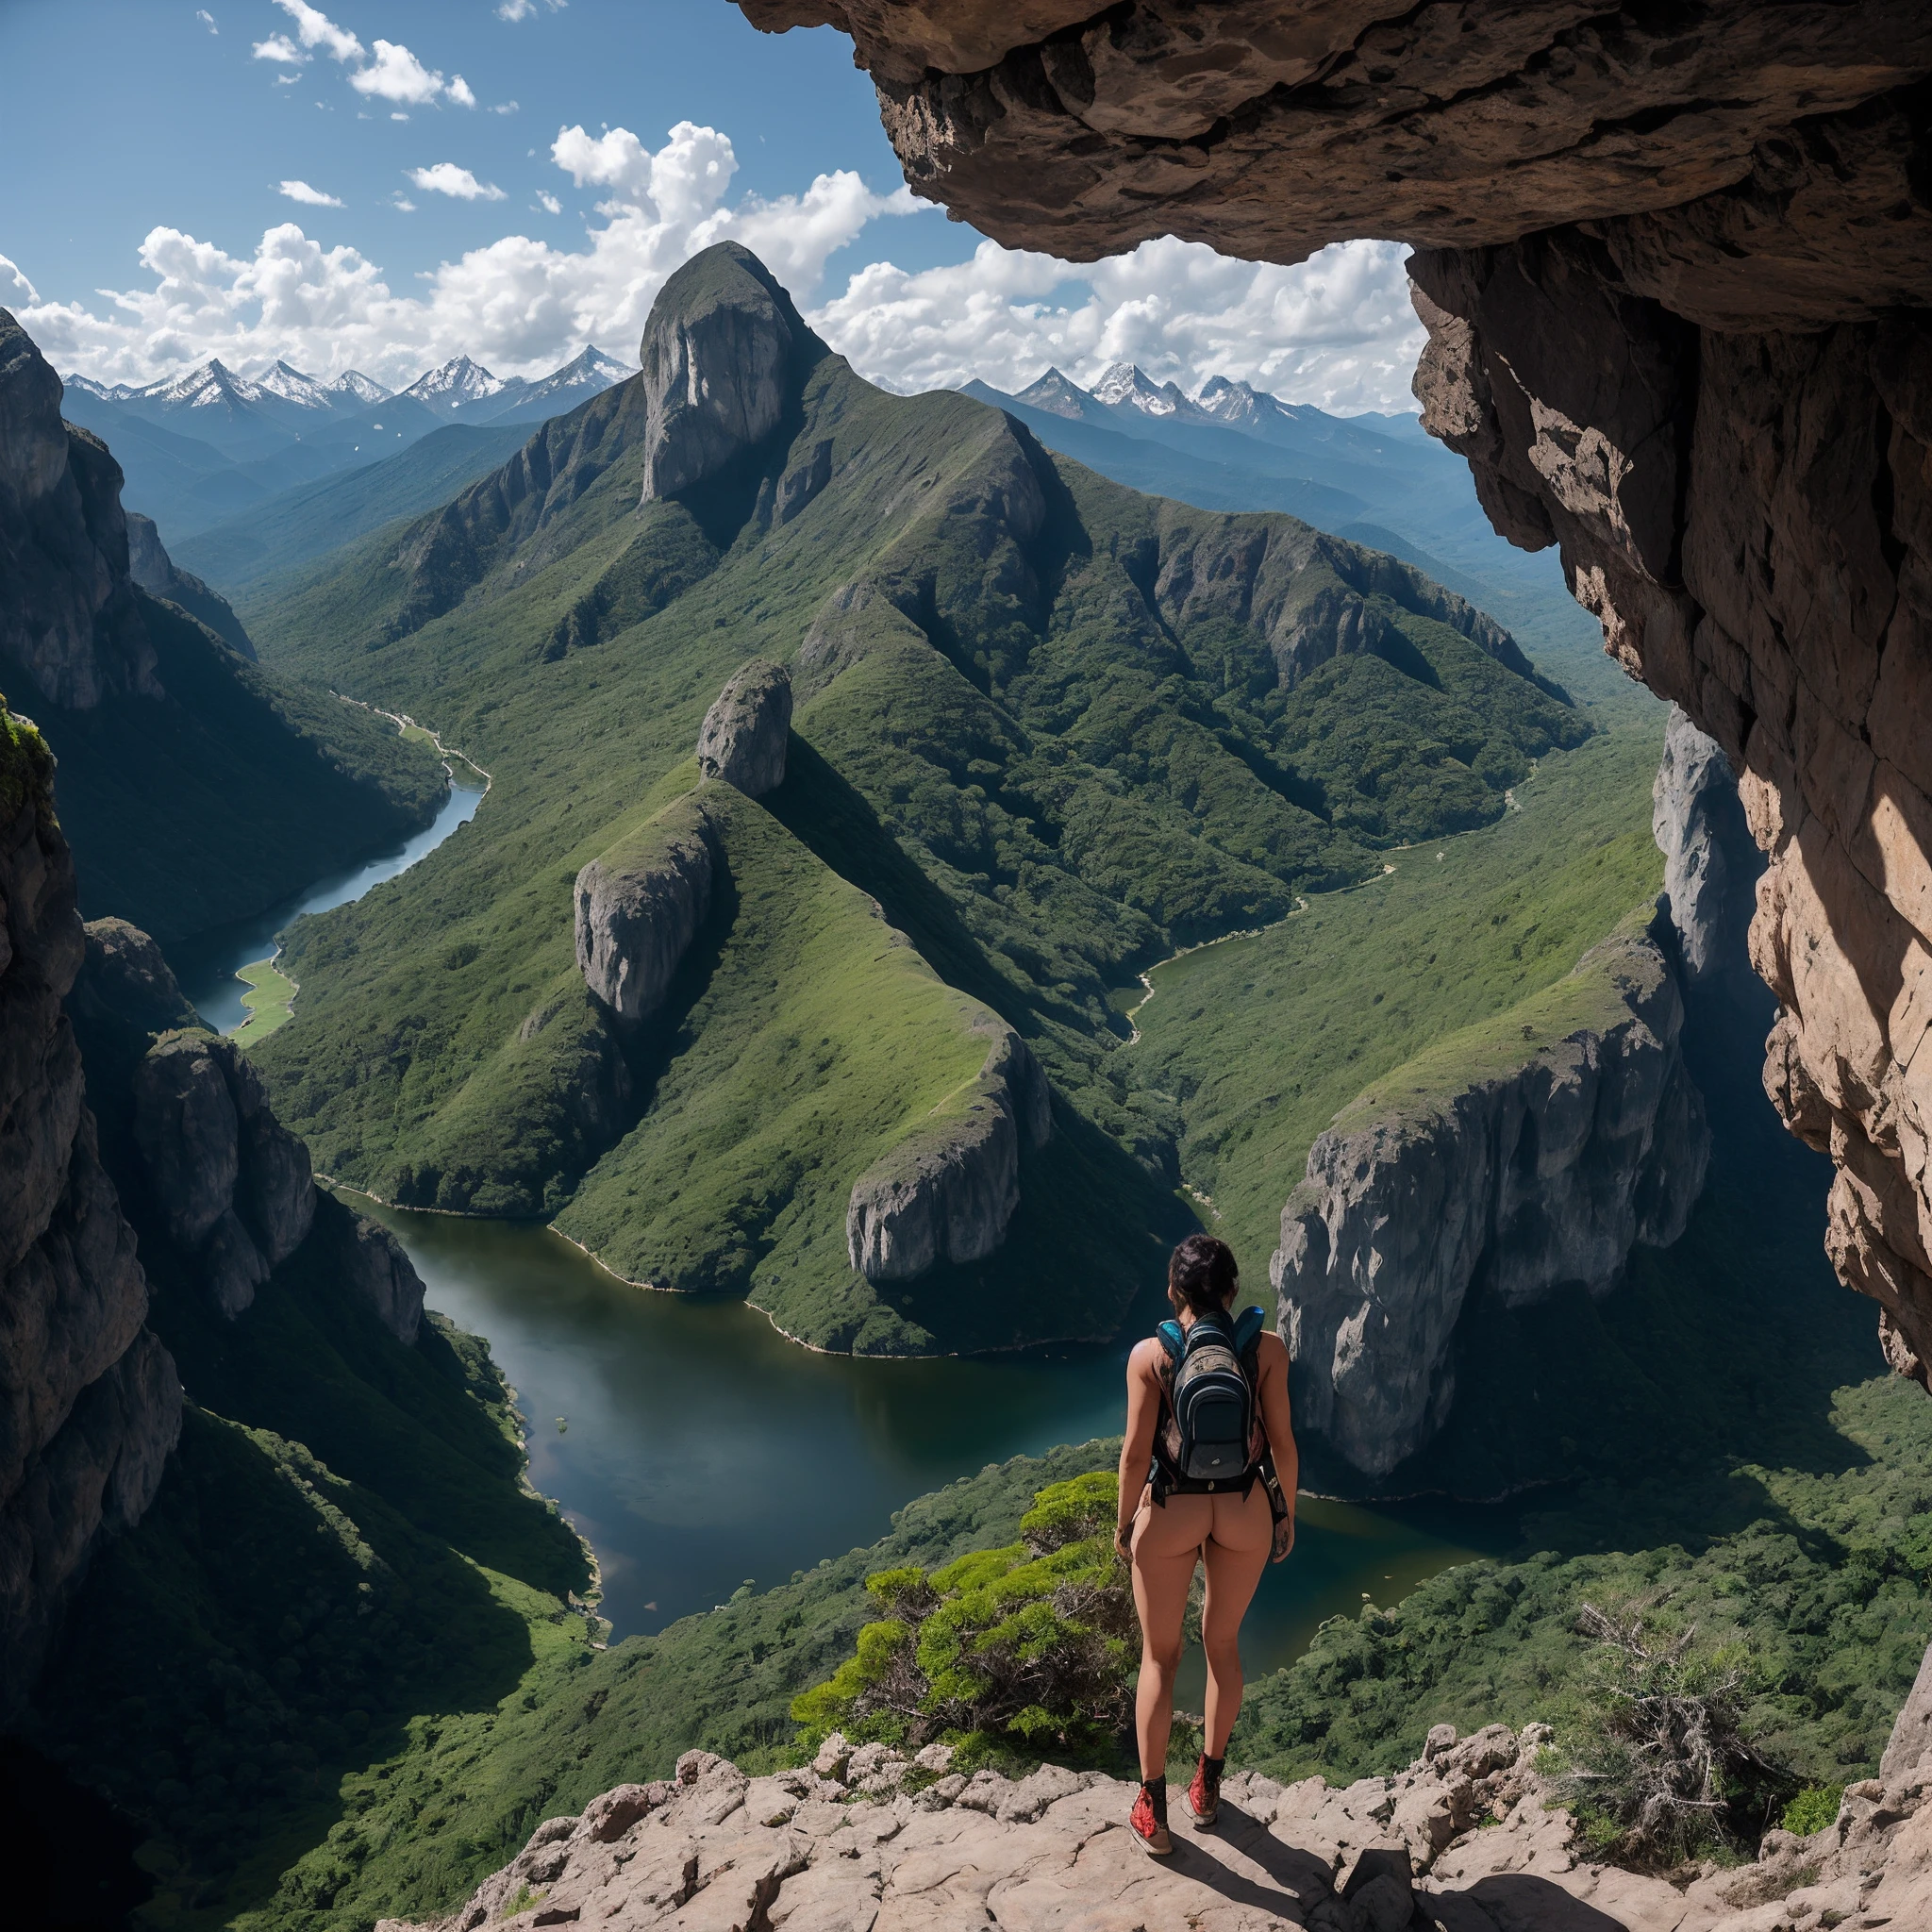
(1466,1840)
(948,1191)
(1544,1163)
(639,904)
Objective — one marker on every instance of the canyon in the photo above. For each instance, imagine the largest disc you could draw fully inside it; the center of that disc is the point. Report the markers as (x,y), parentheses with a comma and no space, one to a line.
(1674,272)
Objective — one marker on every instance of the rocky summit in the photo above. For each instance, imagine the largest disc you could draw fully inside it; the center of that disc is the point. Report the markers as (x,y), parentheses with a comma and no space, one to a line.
(1466,1838)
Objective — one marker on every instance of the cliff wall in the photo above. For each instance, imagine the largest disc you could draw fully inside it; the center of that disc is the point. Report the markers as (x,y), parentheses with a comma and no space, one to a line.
(1532,1152)
(89,1404)
(68,613)
(1676,267)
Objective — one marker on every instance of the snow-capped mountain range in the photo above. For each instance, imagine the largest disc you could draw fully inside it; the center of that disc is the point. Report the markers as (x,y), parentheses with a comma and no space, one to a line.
(1219,400)
(461,389)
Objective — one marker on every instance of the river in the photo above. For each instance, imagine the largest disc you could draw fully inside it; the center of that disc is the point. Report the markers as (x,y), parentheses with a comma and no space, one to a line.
(697,1450)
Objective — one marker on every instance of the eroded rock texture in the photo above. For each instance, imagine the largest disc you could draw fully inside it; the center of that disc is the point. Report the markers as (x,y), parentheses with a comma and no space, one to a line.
(948,1191)
(89,1404)
(639,904)
(722,358)
(1544,1173)
(1675,268)
(745,732)
(69,617)
(231,1182)
(1465,1839)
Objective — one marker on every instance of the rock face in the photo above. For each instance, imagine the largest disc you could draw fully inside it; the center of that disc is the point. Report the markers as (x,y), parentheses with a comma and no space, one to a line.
(842,1847)
(1675,268)
(639,904)
(1738,163)
(370,1261)
(1710,861)
(232,1183)
(947,1192)
(723,354)
(67,611)
(89,1404)
(1523,1179)
(746,730)
(126,974)
(156,572)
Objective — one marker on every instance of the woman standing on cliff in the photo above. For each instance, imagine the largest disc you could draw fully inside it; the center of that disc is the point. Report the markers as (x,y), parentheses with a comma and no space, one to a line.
(1208,1434)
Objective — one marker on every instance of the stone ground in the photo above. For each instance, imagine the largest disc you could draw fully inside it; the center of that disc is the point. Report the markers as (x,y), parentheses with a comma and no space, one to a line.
(1464,1841)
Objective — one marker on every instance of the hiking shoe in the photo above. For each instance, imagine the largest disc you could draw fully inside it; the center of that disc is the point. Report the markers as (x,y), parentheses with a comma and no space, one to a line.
(1148,1826)
(1204,1795)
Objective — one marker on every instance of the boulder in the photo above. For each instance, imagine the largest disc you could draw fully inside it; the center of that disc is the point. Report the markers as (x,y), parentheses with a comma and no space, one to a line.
(126,974)
(639,905)
(948,1191)
(745,732)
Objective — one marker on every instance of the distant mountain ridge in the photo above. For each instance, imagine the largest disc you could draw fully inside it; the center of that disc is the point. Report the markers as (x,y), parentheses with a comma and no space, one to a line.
(210,444)
(1376,480)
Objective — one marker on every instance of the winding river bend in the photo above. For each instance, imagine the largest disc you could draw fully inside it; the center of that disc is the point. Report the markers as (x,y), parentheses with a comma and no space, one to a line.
(697,1450)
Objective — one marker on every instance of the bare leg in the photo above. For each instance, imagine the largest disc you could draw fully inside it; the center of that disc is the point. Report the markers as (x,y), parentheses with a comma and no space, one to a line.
(1167,1545)
(1237,1553)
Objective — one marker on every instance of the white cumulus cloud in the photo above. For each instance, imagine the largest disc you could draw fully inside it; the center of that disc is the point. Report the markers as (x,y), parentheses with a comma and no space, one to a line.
(396,75)
(524,10)
(16,292)
(206,19)
(459,90)
(445,177)
(318,30)
(312,197)
(279,48)
(1337,331)
(548,202)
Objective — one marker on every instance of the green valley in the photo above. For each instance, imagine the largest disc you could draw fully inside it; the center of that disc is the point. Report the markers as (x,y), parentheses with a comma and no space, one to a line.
(1053,728)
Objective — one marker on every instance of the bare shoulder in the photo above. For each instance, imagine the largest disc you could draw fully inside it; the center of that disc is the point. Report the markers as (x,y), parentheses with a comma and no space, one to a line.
(1144,1364)
(1271,1352)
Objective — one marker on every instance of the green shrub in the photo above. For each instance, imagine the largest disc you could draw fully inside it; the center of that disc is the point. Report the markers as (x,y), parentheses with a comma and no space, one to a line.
(1024,1646)
(1813,1809)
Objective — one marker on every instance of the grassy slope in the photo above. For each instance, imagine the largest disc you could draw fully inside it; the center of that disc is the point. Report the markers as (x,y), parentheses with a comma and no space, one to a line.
(1261,1041)
(249,555)
(233,791)
(1044,780)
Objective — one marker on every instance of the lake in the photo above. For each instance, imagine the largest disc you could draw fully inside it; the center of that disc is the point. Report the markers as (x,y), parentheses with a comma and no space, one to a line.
(696,1449)
(700,1450)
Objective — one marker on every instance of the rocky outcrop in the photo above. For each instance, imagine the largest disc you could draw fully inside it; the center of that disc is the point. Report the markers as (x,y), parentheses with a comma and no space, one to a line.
(722,354)
(231,1182)
(69,617)
(746,730)
(1465,1839)
(157,573)
(948,1191)
(89,1404)
(369,1261)
(1750,166)
(1543,1166)
(125,975)
(639,904)
(1675,268)
(1710,861)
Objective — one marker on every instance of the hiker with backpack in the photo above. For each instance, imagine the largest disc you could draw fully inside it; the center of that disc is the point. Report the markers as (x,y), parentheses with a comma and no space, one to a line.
(1207,1474)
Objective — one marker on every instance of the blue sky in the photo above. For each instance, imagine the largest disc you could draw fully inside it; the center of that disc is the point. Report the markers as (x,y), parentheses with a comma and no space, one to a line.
(513,187)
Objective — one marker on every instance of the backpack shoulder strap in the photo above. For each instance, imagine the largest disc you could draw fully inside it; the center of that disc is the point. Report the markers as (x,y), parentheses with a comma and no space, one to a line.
(1171,1338)
(1247,1331)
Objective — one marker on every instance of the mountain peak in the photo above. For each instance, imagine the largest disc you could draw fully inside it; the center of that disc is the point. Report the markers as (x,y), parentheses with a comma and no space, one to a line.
(1056,393)
(456,382)
(1126,385)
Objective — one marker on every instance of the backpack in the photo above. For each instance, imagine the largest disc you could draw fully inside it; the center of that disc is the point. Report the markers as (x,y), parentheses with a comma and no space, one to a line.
(1209,1438)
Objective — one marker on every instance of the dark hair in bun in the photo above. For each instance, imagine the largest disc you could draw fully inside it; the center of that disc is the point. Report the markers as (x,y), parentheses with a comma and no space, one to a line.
(1201,1275)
